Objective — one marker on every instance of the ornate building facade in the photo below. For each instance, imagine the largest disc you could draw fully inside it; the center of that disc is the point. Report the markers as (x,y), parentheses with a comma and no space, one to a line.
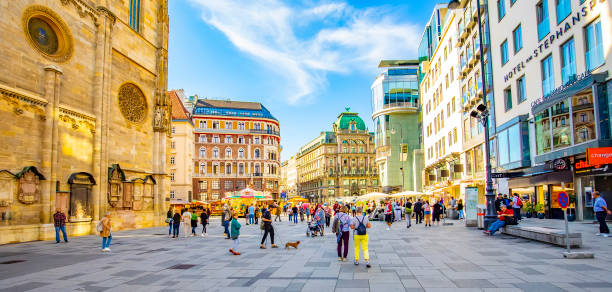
(237,144)
(338,163)
(84,115)
(182,145)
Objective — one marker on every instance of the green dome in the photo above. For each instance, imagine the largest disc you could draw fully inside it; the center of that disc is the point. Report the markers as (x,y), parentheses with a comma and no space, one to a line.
(345,119)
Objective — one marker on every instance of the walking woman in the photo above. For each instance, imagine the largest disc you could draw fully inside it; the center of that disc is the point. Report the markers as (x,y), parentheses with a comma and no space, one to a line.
(106,232)
(389,215)
(320,217)
(266,218)
(169,221)
(235,233)
(460,209)
(427,210)
(176,224)
(328,212)
(437,211)
(204,219)
(360,224)
(342,222)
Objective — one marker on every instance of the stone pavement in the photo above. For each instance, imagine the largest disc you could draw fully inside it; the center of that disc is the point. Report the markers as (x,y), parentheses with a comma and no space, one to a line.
(439,258)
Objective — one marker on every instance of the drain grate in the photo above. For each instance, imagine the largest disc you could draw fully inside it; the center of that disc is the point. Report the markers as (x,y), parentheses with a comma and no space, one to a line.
(11,262)
(181,267)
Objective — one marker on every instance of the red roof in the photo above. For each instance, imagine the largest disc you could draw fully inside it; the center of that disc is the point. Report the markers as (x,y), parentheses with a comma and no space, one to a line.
(179,112)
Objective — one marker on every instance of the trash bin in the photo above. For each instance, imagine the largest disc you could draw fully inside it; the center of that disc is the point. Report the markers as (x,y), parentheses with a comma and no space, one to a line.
(480,214)
(452,213)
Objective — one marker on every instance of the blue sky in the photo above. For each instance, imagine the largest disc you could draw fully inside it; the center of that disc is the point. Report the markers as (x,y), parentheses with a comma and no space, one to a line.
(305,60)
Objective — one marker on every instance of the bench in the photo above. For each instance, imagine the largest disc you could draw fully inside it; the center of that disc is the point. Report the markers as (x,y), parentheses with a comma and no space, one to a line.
(544,234)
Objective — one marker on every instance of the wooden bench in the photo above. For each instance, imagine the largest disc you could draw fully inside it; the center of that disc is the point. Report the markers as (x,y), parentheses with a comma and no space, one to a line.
(544,234)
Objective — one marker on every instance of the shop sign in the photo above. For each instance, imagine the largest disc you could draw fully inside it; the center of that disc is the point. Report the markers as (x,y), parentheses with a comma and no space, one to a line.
(559,164)
(506,174)
(556,34)
(582,167)
(601,155)
(561,88)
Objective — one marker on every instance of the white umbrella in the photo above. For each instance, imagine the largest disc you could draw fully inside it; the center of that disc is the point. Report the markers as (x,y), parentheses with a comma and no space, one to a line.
(372,196)
(407,194)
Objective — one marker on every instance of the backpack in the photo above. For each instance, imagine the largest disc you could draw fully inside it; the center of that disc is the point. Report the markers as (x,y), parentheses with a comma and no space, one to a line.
(361,228)
(510,220)
(336,225)
(519,202)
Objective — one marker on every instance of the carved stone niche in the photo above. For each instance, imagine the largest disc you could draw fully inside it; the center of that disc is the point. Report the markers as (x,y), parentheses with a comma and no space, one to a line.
(116,177)
(128,195)
(7,188)
(80,196)
(28,189)
(137,195)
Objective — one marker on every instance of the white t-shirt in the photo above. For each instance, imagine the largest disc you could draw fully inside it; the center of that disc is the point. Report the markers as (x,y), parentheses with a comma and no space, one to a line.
(187,216)
(360,218)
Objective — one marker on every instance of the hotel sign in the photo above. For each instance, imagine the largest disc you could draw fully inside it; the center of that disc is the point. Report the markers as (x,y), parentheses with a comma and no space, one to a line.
(547,42)
(596,156)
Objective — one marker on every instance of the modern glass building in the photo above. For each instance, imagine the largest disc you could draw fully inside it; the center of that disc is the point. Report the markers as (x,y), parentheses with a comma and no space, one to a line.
(395,111)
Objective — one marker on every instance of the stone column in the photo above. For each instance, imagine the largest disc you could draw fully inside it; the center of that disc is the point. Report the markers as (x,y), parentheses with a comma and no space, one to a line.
(49,143)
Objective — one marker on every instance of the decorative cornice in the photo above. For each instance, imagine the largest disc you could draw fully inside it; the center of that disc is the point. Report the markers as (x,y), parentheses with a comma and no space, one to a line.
(83,9)
(106,12)
(64,109)
(22,96)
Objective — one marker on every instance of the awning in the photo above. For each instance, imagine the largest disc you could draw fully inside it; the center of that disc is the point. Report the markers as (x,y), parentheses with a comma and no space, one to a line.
(582,82)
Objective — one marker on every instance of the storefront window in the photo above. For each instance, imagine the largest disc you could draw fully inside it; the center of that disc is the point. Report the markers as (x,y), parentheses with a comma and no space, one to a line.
(479,158)
(542,125)
(502,143)
(561,125)
(583,115)
(468,163)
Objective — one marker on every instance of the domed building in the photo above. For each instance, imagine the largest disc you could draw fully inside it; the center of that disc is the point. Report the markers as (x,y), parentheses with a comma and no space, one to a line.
(338,163)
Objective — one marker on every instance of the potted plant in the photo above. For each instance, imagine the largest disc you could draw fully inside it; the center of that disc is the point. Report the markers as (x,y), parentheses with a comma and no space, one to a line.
(528,209)
(571,216)
(540,209)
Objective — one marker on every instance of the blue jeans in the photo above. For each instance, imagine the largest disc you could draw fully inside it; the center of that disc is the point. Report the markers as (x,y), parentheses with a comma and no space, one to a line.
(226,226)
(251,218)
(461,215)
(175,228)
(106,241)
(496,226)
(295,218)
(170,228)
(57,230)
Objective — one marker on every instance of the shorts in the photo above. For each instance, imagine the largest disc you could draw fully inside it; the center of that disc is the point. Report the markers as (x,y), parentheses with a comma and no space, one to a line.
(388,218)
(436,217)
(427,212)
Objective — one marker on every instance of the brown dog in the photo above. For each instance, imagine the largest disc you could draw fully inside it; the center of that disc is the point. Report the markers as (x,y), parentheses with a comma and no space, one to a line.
(293,244)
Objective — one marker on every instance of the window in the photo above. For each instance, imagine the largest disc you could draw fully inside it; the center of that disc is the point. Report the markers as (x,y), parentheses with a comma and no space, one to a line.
(172,160)
(229,185)
(241,126)
(454,135)
(202,138)
(215,184)
(173,130)
(257,154)
(564,8)
(504,52)
(256,140)
(203,185)
(171,194)
(568,61)
(216,125)
(240,140)
(240,153)
(228,153)
(203,152)
(453,104)
(135,15)
(594,45)
(216,139)
(548,79)
(508,143)
(542,18)
(173,145)
(452,74)
(202,167)
(228,139)
(501,8)
(202,124)
(520,89)
(228,125)
(172,176)
(508,98)
(517,35)
(215,153)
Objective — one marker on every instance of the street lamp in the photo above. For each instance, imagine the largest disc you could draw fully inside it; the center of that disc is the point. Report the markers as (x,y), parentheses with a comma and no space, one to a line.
(402,170)
(482,114)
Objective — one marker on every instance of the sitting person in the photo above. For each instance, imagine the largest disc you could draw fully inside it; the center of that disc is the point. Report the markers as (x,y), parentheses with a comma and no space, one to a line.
(501,221)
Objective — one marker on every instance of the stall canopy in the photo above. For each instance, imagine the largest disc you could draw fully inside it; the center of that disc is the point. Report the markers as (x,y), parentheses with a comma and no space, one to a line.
(407,194)
(249,193)
(372,196)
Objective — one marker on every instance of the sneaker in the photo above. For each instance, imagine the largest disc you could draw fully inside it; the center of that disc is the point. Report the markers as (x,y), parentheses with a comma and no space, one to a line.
(274,246)
(236,253)
(368,264)
(102,250)
(107,249)
(605,235)
(598,234)
(356,263)
(203,235)
(339,259)
(262,246)
(344,259)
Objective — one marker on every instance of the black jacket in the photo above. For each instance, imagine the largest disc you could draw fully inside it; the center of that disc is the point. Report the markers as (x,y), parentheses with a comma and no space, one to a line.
(498,203)
(176,218)
(418,207)
(204,218)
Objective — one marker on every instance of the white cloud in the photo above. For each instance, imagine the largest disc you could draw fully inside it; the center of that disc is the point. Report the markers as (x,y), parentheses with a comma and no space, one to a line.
(304,44)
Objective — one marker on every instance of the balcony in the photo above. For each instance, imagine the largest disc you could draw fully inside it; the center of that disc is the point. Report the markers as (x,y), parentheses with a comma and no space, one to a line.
(460,35)
(469,15)
(396,107)
(465,100)
(260,131)
(470,56)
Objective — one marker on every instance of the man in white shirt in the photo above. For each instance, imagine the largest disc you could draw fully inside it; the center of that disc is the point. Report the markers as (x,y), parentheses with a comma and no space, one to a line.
(187,222)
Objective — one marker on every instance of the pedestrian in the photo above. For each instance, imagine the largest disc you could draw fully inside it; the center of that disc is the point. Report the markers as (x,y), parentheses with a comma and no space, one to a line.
(499,201)
(176,224)
(360,224)
(235,233)
(397,208)
(437,211)
(460,209)
(600,207)
(194,222)
(225,220)
(506,200)
(186,221)
(295,211)
(59,221)
(105,233)
(169,221)
(517,204)
(353,209)
(251,215)
(502,215)
(408,210)
(341,227)
(266,218)
(418,212)
(277,211)
(389,215)
(307,211)
(204,220)
(328,213)
(320,217)
(290,213)
(302,211)
(427,211)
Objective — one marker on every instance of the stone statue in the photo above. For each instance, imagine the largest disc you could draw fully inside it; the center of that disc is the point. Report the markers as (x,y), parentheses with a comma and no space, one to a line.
(28,188)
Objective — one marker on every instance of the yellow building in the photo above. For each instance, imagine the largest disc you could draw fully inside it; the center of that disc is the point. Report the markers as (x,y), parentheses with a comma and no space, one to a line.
(84,116)
(182,145)
(338,163)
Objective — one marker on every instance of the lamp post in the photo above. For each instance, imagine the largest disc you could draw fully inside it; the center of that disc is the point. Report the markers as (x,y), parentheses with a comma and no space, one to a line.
(402,170)
(482,114)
